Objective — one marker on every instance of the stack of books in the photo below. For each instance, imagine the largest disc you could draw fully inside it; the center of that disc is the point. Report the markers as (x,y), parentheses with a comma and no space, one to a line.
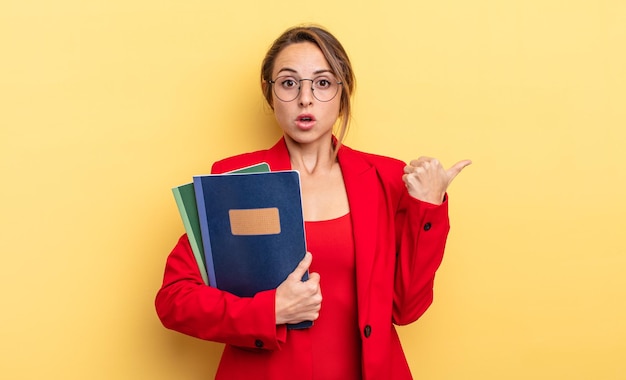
(245,228)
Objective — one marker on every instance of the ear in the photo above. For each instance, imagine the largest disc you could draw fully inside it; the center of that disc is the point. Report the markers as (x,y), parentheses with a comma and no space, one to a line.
(264,85)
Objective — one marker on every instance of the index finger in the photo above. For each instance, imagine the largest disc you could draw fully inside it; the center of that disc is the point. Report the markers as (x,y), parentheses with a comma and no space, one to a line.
(419,160)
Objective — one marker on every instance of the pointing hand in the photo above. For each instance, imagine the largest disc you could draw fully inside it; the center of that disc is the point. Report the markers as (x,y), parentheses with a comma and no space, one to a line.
(427,180)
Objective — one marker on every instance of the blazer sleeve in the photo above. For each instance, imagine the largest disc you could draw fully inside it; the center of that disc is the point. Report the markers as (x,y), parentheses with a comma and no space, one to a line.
(421,233)
(184,303)
(187,305)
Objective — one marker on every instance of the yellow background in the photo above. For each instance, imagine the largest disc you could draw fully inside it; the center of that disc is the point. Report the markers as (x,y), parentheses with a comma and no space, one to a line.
(105,105)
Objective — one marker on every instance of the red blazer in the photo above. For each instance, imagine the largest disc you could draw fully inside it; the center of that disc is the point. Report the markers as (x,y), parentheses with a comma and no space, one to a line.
(399,244)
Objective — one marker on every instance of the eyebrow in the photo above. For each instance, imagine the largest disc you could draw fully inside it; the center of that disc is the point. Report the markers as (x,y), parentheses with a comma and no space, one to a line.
(316,72)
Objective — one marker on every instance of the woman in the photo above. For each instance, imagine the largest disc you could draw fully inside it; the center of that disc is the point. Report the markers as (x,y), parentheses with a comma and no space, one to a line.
(376,230)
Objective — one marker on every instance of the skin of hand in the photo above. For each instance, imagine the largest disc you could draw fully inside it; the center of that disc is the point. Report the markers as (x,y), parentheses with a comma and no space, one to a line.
(427,180)
(297,300)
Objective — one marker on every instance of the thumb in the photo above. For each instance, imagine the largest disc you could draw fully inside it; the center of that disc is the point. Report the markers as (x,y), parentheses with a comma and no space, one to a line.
(456,168)
(303,266)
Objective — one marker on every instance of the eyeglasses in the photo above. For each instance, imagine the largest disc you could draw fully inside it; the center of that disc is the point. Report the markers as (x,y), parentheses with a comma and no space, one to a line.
(287,88)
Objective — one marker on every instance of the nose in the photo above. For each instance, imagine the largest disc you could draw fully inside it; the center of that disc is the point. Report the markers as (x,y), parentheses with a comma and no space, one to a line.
(306,92)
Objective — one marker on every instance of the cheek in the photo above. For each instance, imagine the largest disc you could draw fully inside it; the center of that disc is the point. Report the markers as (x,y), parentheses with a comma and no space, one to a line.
(280,112)
(333,109)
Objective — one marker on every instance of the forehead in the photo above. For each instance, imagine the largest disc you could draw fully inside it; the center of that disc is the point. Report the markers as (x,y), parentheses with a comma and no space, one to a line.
(302,58)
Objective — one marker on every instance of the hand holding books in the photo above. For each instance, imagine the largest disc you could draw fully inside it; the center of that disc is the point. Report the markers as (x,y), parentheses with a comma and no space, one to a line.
(298,301)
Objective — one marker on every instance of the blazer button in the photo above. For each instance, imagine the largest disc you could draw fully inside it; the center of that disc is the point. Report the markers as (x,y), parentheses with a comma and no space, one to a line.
(258,343)
(367,331)
(427,226)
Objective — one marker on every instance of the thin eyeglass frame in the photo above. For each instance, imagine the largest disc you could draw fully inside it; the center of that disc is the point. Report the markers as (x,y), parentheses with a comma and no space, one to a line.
(273,82)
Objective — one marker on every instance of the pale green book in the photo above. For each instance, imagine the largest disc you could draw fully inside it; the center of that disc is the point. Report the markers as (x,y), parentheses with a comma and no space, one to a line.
(185,197)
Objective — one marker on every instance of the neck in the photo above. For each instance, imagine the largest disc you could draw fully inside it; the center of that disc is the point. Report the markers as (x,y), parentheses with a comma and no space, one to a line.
(311,158)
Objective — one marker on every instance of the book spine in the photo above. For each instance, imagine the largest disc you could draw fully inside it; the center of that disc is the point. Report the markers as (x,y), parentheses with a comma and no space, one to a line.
(186,213)
(204,228)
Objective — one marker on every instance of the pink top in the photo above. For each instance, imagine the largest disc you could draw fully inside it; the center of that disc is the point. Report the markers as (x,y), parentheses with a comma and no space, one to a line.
(336,343)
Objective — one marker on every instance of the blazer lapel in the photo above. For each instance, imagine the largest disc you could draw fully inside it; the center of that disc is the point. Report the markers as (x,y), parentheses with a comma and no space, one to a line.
(362,186)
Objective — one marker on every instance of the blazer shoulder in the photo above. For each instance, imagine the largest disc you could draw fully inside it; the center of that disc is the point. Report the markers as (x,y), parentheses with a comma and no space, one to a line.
(277,157)
(383,164)
(239,161)
(389,170)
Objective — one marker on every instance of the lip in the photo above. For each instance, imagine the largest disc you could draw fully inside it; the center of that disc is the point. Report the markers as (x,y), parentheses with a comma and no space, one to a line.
(305,121)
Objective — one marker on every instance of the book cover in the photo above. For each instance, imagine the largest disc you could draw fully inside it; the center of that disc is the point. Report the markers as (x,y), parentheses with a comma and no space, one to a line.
(185,197)
(252,229)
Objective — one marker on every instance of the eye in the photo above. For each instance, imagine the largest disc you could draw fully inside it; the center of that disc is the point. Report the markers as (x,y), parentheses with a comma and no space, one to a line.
(288,83)
(322,83)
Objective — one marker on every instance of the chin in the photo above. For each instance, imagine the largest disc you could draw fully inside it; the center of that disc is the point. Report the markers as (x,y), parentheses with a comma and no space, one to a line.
(308,137)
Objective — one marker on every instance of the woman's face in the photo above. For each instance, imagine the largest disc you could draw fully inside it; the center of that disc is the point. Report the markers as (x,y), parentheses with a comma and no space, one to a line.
(306,119)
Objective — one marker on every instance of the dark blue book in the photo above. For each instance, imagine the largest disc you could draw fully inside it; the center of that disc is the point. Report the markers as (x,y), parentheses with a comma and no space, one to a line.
(252,229)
